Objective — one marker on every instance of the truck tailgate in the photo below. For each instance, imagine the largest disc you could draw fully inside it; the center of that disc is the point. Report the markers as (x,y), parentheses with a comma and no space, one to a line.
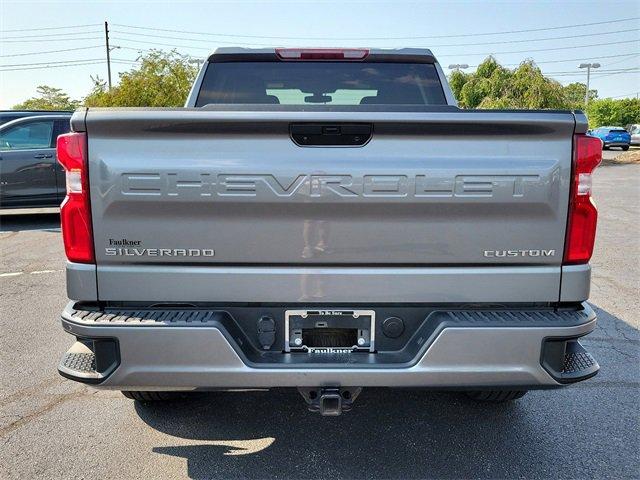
(450,189)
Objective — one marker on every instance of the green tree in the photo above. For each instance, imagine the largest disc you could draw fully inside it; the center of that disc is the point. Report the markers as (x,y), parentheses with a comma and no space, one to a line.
(532,90)
(48,98)
(457,79)
(495,86)
(607,111)
(163,79)
(574,94)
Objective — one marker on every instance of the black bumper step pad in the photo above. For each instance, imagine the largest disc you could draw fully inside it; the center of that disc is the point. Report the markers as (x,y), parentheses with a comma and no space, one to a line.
(568,361)
(577,362)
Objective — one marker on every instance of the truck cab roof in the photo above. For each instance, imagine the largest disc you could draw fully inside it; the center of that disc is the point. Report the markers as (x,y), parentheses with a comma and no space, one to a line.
(409,55)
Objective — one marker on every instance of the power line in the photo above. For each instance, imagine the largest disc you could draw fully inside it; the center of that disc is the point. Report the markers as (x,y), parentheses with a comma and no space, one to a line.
(49,63)
(49,28)
(327,38)
(51,66)
(616,73)
(535,39)
(597,75)
(440,56)
(136,49)
(621,72)
(431,46)
(381,38)
(598,72)
(571,72)
(49,51)
(162,37)
(625,95)
(620,61)
(66,39)
(574,59)
(140,50)
(160,44)
(544,49)
(47,36)
(324,38)
(67,63)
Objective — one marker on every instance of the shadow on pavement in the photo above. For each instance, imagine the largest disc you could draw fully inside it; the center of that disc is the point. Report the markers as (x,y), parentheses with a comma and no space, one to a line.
(590,430)
(389,434)
(34,221)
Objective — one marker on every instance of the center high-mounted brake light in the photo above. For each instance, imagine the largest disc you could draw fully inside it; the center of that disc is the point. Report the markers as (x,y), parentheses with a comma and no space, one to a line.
(583,216)
(322,53)
(75,211)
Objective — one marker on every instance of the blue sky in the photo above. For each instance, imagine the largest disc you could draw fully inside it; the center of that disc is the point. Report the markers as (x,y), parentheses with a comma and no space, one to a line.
(455,31)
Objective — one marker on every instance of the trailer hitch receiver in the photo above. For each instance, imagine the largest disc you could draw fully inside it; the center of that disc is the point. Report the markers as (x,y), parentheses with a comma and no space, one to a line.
(330,401)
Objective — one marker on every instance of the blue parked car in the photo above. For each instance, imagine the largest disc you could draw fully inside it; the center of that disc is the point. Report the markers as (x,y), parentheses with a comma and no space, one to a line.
(612,137)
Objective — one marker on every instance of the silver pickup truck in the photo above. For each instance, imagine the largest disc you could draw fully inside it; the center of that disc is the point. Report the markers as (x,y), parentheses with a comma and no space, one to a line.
(327,219)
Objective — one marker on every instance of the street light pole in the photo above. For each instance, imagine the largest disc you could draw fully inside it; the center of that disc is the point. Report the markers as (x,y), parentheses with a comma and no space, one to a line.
(588,66)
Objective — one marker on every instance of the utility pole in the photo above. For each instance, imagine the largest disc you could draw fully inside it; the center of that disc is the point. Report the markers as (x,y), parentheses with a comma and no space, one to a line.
(588,66)
(106,39)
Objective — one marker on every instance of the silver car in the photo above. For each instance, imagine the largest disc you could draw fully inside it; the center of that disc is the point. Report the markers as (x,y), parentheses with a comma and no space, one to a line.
(634,130)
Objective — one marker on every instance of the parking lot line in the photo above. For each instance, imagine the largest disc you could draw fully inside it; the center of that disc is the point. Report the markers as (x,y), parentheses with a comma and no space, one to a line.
(35,272)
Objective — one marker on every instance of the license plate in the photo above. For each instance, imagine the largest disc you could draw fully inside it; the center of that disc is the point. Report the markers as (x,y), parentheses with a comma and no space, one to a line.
(329,331)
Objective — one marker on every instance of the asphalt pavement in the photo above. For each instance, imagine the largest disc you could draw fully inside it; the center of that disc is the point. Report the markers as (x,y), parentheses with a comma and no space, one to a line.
(611,154)
(54,428)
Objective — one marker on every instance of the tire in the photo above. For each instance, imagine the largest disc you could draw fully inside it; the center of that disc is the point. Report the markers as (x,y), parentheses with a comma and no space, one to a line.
(604,147)
(625,148)
(152,396)
(495,396)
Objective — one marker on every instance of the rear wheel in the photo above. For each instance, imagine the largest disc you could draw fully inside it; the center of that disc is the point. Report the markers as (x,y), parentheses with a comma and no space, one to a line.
(495,396)
(625,148)
(152,396)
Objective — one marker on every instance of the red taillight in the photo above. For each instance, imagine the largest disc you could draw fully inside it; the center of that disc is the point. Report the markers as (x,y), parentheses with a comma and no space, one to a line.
(75,211)
(322,53)
(583,216)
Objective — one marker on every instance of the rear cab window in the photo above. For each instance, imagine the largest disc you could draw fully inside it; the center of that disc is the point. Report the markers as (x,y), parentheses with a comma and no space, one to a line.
(326,83)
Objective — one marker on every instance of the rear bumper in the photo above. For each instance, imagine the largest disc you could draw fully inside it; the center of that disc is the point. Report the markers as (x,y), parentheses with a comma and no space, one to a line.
(467,349)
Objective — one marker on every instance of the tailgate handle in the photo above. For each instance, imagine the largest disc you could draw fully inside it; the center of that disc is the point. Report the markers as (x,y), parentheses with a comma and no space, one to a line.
(330,135)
